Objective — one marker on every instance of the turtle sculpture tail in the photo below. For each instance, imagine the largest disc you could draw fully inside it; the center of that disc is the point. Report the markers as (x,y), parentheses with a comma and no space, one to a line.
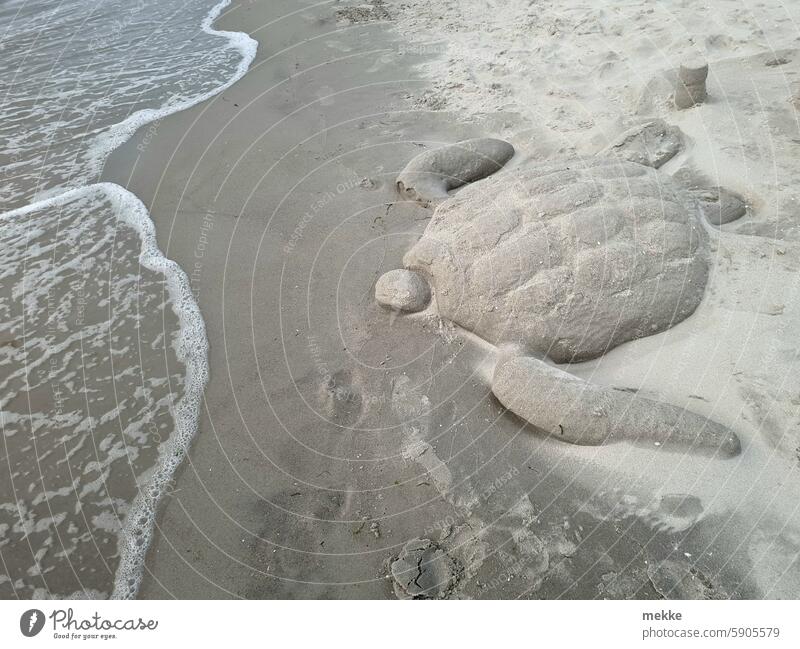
(576,411)
(430,175)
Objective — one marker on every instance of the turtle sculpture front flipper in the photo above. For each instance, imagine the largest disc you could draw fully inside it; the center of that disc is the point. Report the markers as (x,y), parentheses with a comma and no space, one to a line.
(564,262)
(576,411)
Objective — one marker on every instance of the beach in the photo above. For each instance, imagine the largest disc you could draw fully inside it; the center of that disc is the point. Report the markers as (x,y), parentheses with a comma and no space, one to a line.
(338,441)
(300,500)
(306,479)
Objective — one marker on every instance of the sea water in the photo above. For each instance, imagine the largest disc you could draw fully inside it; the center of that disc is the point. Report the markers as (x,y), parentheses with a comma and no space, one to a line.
(103,354)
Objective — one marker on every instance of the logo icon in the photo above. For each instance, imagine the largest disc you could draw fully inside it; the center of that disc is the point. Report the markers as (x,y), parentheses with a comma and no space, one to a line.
(31,622)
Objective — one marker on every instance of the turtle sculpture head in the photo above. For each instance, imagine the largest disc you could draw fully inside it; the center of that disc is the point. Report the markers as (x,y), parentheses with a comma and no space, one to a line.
(565,261)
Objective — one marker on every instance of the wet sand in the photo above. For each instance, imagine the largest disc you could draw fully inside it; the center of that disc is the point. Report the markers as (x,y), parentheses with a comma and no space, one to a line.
(334,433)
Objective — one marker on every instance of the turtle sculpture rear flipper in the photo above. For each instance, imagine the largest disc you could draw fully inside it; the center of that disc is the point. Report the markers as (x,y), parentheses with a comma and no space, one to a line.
(576,411)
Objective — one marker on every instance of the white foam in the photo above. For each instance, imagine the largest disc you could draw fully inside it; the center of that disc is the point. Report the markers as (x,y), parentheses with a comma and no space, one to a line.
(105,143)
(193,353)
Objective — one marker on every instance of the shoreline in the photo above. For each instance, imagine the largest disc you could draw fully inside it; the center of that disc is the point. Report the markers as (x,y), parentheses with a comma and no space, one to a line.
(196,259)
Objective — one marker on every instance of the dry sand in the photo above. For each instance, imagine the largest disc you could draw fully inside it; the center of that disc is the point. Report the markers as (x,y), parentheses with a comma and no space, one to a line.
(335,433)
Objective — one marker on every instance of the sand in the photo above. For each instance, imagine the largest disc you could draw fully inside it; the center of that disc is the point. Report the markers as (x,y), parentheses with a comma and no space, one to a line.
(334,432)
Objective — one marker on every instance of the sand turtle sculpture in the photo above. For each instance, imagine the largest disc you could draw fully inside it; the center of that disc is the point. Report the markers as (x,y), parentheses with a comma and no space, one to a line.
(555,264)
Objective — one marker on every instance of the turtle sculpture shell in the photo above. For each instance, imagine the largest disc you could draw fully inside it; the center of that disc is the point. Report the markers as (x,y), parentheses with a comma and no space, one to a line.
(567,261)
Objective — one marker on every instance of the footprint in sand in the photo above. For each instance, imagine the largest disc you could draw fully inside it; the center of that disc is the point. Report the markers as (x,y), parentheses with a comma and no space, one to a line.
(670,513)
(341,399)
(682,580)
(673,513)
